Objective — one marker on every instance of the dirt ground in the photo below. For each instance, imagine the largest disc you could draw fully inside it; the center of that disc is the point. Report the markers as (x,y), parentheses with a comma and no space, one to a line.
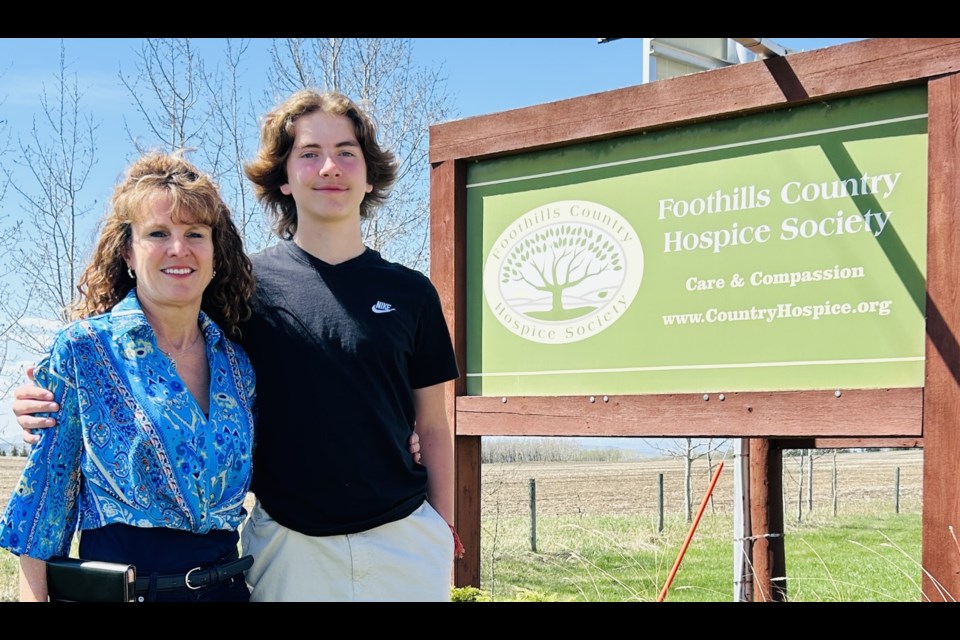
(863,481)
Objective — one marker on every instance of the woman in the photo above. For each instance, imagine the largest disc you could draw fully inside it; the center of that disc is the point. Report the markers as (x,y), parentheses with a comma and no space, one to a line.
(151,460)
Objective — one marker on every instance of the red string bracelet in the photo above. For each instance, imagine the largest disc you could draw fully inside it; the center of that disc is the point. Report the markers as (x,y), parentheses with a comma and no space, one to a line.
(457,545)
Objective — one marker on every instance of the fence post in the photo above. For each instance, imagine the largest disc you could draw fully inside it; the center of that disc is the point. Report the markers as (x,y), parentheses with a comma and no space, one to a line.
(659,503)
(833,484)
(533,515)
(896,492)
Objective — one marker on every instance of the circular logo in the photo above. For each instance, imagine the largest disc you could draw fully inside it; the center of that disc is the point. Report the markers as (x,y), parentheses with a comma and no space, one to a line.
(563,272)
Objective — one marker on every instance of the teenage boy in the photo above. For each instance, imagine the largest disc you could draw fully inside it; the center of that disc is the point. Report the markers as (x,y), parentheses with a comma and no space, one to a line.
(342,513)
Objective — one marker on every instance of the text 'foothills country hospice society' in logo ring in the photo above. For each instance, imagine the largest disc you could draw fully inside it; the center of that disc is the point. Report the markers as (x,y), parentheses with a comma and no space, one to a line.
(563,272)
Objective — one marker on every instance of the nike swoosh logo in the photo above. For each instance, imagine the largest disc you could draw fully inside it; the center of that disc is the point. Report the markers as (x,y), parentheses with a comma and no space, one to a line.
(382,307)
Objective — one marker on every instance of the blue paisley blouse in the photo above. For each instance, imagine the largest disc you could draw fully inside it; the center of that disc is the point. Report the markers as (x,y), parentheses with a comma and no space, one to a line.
(131,444)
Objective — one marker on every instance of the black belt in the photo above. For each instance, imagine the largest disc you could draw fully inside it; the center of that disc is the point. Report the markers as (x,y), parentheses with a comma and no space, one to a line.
(196,578)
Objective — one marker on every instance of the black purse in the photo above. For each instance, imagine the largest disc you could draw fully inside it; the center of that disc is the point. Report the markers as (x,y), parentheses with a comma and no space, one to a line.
(75,580)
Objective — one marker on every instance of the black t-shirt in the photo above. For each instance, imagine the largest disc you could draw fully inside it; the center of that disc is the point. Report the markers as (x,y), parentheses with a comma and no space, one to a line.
(338,350)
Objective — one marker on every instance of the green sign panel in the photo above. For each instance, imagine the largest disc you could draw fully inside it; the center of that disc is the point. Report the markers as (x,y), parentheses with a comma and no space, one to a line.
(780,251)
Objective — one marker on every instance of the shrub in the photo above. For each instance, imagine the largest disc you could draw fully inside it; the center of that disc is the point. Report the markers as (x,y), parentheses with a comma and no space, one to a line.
(468,594)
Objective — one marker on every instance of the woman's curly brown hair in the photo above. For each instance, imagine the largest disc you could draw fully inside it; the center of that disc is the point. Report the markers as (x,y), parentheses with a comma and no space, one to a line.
(268,170)
(196,199)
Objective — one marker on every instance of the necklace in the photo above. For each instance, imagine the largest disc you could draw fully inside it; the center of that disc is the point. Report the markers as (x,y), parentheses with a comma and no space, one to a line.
(179,352)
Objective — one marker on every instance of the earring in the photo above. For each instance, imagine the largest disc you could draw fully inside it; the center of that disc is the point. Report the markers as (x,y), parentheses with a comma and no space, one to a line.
(130,273)
(214,274)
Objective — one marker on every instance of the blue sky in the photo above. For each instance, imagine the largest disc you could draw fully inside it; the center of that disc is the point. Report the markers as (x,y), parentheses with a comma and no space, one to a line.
(489,75)
(483,76)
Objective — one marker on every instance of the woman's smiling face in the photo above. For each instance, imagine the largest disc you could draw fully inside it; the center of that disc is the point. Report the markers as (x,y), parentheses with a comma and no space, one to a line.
(172,261)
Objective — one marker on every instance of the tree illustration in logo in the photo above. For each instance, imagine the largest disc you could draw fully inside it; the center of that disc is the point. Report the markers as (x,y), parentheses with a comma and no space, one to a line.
(573,265)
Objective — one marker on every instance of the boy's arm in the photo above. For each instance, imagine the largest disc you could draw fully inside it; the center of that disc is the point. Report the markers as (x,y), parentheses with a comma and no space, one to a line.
(29,399)
(436,447)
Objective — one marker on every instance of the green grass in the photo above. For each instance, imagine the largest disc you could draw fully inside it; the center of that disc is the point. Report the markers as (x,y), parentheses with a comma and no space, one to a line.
(851,558)
(855,559)
(9,577)
(860,558)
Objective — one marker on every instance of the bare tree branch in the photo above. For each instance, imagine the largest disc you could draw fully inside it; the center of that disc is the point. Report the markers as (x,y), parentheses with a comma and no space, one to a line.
(10,312)
(234,123)
(186,102)
(690,449)
(168,92)
(46,248)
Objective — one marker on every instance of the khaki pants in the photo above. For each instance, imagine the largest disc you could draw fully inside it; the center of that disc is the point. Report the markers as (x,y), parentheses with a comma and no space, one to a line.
(409,560)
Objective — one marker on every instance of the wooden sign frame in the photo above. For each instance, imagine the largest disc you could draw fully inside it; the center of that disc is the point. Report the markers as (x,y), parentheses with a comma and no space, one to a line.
(926,416)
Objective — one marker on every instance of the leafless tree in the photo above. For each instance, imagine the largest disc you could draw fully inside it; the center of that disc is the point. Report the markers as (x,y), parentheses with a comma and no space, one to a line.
(805,462)
(9,232)
(10,311)
(188,103)
(168,90)
(56,156)
(380,74)
(233,116)
(690,450)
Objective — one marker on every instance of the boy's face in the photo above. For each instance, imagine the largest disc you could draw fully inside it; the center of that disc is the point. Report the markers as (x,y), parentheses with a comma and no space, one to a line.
(326,170)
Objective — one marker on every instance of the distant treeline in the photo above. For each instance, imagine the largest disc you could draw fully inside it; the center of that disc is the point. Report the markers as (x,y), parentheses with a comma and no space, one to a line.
(511,450)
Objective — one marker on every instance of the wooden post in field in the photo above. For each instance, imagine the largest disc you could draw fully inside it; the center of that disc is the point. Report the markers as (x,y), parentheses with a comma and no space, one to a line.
(833,484)
(941,396)
(766,519)
(659,503)
(533,515)
(896,492)
(803,459)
